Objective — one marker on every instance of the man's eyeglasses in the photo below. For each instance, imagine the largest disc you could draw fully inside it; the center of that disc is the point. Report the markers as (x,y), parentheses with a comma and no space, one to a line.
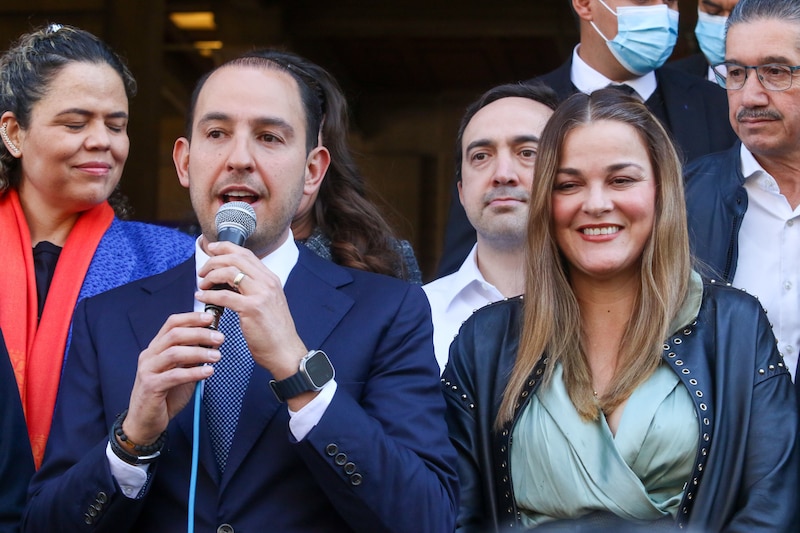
(773,76)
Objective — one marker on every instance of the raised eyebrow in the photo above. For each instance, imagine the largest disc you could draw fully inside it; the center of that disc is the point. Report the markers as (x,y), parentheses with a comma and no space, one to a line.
(118,114)
(768,60)
(274,122)
(259,122)
(781,60)
(621,166)
(610,168)
(478,143)
(524,139)
(569,171)
(213,117)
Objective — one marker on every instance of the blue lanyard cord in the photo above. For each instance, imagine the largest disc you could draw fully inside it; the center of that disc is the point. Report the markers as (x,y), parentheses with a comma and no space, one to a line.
(195,454)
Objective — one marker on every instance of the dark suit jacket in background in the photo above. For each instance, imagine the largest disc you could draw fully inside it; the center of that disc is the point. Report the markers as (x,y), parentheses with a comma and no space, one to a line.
(694,64)
(16,459)
(379,459)
(697,117)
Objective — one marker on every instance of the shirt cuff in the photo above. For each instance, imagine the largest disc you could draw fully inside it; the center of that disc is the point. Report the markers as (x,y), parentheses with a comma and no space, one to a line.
(304,420)
(131,478)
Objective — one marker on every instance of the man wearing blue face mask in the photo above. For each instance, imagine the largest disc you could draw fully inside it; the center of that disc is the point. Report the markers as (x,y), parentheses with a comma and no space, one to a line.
(625,42)
(710,33)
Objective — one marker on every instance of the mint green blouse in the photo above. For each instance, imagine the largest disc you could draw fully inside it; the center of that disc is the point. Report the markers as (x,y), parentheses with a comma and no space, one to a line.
(563,467)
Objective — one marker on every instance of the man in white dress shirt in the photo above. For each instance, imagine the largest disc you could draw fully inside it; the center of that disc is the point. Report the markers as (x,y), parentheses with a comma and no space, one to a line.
(495,154)
(744,203)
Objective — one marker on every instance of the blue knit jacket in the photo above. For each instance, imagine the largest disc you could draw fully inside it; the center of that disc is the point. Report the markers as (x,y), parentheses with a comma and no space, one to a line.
(130,251)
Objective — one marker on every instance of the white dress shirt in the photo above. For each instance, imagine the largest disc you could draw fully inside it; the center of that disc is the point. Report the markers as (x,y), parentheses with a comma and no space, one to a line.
(588,80)
(453,299)
(132,478)
(768,265)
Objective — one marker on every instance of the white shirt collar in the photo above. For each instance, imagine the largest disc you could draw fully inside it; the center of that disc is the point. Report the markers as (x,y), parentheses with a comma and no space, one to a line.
(280,262)
(465,276)
(588,80)
(754,173)
(453,299)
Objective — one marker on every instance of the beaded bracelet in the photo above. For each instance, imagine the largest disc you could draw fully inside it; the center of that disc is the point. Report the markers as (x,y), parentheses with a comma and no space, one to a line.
(144,454)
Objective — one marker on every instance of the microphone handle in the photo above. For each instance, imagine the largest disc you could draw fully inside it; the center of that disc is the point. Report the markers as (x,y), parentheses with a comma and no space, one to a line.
(216,310)
(232,234)
(236,236)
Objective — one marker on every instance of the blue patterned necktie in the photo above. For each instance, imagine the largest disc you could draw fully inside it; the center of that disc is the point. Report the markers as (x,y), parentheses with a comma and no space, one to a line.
(225,389)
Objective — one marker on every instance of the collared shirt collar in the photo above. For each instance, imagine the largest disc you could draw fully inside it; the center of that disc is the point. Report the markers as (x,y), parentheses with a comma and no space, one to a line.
(453,299)
(588,80)
(280,262)
(468,275)
(755,173)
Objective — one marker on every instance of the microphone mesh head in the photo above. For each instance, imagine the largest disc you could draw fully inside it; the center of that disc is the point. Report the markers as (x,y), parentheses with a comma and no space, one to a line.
(236,215)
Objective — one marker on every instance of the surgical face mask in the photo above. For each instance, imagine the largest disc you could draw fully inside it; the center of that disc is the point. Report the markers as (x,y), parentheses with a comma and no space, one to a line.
(645,37)
(710,33)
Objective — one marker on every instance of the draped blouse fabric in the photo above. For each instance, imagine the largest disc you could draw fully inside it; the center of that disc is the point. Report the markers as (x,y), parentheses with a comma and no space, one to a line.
(565,467)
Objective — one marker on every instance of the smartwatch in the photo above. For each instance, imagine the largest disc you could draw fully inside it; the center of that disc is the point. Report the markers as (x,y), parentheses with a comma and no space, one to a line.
(315,372)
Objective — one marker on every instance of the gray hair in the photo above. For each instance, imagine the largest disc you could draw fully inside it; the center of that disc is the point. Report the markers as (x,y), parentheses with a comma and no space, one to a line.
(752,10)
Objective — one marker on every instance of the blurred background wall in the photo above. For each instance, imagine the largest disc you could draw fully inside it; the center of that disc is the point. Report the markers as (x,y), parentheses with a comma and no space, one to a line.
(408,69)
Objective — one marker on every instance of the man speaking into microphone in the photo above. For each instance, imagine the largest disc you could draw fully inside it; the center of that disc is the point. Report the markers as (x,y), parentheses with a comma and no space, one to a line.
(321,407)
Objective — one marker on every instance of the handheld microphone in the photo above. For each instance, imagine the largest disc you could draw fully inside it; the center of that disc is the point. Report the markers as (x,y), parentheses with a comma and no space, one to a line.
(235,221)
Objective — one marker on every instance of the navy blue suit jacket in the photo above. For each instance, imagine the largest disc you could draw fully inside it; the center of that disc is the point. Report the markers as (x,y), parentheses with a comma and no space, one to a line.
(379,459)
(16,459)
(697,117)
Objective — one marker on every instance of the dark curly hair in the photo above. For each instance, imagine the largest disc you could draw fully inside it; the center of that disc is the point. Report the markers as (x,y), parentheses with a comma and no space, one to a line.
(28,68)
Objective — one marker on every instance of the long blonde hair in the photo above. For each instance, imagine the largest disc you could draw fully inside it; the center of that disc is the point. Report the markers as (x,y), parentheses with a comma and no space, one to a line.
(551,325)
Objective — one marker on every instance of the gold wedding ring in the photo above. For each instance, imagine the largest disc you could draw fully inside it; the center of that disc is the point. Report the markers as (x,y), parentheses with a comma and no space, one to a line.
(238,279)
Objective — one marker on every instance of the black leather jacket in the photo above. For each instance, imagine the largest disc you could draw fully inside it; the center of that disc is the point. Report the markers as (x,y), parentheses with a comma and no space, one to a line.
(746,473)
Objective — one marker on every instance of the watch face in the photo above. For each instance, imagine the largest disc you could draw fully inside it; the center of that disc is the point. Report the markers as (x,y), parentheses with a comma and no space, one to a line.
(319,369)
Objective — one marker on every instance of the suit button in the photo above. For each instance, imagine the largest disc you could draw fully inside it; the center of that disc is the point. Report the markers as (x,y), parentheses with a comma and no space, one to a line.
(92,512)
(101,497)
(88,520)
(225,528)
(349,468)
(331,449)
(340,459)
(355,479)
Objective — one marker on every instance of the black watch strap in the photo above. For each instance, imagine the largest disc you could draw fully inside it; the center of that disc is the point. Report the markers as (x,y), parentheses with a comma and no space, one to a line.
(290,387)
(308,378)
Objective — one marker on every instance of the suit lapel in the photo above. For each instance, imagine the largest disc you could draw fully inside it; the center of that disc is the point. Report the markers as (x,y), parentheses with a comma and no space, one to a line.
(560,80)
(164,295)
(316,304)
(317,307)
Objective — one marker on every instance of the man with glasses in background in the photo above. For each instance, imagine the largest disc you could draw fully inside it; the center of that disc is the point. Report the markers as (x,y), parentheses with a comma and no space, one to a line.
(744,204)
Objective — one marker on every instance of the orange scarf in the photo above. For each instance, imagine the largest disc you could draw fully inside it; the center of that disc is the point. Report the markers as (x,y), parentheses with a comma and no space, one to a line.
(37,351)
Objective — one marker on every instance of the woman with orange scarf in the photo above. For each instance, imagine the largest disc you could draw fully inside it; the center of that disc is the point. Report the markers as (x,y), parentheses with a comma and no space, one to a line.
(63,144)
